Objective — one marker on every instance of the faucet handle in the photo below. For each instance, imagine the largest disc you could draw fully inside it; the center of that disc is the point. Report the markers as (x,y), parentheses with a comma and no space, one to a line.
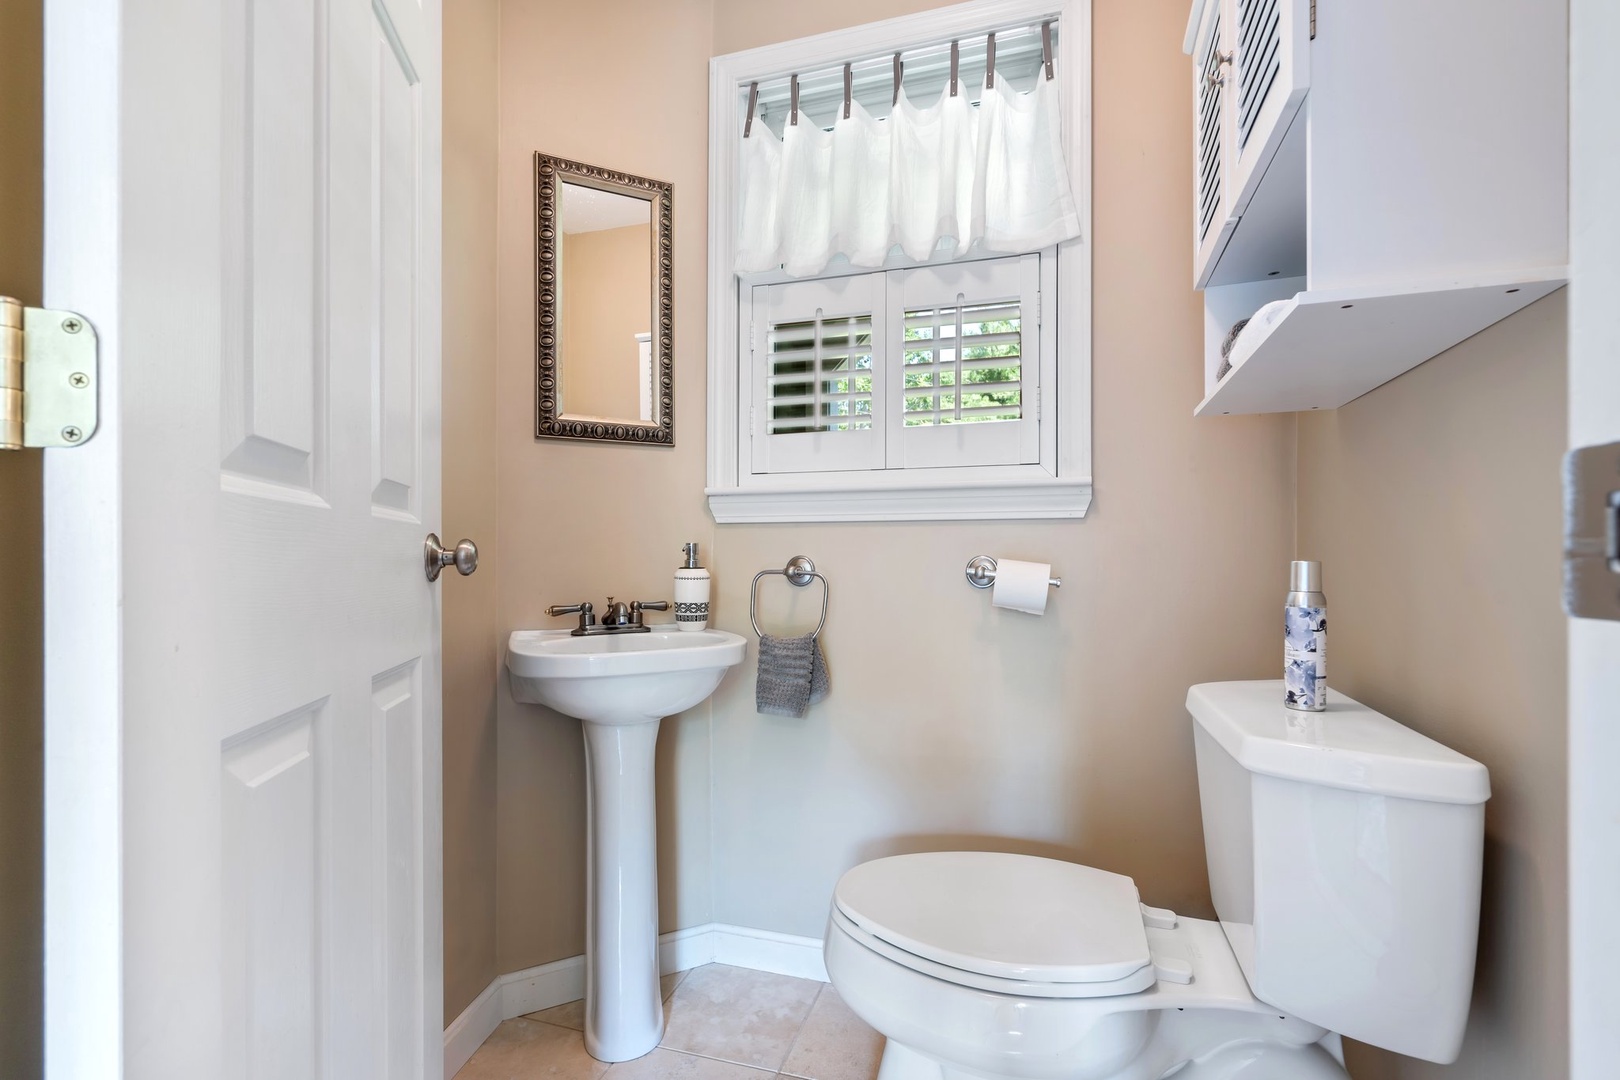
(587,614)
(638,606)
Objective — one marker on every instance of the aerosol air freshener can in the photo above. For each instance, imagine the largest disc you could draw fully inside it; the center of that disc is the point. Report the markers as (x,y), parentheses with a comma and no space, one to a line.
(1305,639)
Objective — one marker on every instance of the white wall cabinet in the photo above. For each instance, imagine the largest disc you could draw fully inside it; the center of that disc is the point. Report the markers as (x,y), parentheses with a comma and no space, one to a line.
(1392,174)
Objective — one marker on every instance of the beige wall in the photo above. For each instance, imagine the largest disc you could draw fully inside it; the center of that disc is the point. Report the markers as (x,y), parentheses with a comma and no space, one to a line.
(606,301)
(472,640)
(1435,507)
(21,619)
(955,724)
(623,85)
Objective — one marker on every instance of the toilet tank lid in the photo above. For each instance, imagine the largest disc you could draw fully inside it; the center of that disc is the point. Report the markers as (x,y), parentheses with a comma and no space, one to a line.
(1348,746)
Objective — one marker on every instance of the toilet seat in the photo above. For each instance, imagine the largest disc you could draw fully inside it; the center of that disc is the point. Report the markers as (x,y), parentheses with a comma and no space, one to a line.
(1011,924)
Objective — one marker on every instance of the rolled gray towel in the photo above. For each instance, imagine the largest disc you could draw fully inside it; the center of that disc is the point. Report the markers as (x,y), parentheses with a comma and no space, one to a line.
(1226,348)
(792,676)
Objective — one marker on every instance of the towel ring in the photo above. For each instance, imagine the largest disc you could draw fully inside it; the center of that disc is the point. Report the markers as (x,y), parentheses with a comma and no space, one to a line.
(799,571)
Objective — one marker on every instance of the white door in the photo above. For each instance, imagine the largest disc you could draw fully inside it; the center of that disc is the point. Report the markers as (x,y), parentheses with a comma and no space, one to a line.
(243,746)
(1594,644)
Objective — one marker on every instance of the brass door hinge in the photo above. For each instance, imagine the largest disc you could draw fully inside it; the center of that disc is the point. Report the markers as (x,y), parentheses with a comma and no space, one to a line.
(47,377)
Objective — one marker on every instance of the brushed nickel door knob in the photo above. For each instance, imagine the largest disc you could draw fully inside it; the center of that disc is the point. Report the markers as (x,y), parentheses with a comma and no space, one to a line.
(435,557)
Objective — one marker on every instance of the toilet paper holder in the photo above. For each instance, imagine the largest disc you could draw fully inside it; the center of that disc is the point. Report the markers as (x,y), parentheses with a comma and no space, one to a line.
(981,573)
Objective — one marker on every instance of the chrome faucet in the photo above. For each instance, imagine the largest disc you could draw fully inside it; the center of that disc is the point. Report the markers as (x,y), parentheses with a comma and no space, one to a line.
(618,618)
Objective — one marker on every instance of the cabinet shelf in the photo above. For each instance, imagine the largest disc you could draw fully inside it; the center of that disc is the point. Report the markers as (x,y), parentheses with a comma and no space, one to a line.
(1328,347)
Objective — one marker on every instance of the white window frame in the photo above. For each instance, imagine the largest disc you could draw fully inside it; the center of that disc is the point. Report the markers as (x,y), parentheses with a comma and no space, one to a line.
(1060,485)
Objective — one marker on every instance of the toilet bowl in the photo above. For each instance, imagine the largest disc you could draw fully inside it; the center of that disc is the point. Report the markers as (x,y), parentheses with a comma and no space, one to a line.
(1344,854)
(1099,994)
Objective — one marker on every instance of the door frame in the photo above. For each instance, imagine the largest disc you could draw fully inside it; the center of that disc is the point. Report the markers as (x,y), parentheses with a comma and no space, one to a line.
(83,576)
(1594,645)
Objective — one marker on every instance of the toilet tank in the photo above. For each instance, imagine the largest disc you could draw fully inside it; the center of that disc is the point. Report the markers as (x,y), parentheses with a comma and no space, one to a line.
(1344,859)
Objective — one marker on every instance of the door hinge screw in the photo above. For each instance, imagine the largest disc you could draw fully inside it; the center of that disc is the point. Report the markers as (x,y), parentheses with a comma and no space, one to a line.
(72,434)
(79,380)
(72,326)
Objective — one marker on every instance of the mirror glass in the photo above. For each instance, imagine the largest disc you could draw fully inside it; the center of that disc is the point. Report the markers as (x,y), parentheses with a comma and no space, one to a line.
(605,289)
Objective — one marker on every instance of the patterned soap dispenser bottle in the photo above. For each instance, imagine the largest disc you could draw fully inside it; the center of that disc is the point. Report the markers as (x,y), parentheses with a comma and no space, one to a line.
(691,592)
(1305,639)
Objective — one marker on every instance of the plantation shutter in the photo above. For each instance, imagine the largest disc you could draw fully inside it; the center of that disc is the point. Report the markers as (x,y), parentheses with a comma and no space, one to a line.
(964,381)
(818,348)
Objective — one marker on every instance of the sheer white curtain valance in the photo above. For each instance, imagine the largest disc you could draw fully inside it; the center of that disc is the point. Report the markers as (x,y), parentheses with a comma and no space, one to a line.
(950,177)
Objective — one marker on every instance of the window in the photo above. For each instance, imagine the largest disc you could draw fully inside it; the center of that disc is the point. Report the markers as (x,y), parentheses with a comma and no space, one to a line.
(945,389)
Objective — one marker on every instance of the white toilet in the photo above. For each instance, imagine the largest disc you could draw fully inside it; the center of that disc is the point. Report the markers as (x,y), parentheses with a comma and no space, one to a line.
(1344,860)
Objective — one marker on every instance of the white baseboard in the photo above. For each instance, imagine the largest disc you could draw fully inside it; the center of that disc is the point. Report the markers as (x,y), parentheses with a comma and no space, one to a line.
(562,981)
(536,988)
(766,950)
(468,1031)
(683,950)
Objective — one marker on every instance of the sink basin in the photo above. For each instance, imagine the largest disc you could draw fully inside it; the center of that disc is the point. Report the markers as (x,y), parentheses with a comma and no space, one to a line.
(620,678)
(621,686)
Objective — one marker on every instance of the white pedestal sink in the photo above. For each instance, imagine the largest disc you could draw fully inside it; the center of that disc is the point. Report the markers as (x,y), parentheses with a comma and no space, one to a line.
(621,686)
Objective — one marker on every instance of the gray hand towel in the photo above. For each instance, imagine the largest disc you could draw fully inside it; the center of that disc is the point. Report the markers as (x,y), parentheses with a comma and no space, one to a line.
(792,675)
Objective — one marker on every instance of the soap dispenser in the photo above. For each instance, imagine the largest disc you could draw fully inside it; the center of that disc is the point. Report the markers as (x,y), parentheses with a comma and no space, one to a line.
(691,592)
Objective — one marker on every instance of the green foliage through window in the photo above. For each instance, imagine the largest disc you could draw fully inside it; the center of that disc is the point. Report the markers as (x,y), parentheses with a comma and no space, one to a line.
(963,364)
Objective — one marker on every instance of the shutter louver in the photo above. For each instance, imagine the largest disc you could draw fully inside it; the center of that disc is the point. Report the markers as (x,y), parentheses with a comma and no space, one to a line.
(964,363)
(820,376)
(1209,137)
(1259,59)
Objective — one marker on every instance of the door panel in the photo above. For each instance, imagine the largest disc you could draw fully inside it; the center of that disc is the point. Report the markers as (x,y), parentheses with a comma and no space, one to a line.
(395,161)
(396,733)
(273,103)
(263,882)
(272,840)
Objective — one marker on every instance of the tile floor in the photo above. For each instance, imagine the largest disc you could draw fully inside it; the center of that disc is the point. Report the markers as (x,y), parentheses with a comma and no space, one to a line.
(720,1023)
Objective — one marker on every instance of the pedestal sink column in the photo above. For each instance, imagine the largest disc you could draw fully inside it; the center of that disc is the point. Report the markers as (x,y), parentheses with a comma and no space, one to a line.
(624,1012)
(618,686)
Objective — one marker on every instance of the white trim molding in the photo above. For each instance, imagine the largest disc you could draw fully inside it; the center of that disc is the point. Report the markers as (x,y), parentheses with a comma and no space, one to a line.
(561,981)
(735,495)
(1051,498)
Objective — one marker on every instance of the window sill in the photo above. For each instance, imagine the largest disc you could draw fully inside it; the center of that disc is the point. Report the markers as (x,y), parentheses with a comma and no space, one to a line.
(904,501)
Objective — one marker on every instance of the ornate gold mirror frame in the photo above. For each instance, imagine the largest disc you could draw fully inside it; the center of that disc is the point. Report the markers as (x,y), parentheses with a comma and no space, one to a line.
(551,173)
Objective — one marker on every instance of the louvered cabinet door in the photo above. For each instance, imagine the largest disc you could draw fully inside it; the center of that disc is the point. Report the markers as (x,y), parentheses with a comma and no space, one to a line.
(1214,215)
(1268,78)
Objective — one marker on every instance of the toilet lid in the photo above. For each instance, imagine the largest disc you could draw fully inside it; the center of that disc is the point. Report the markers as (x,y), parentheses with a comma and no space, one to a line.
(1006,916)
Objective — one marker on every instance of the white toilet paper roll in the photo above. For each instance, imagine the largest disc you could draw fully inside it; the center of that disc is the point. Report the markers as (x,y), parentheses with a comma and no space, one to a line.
(1021,586)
